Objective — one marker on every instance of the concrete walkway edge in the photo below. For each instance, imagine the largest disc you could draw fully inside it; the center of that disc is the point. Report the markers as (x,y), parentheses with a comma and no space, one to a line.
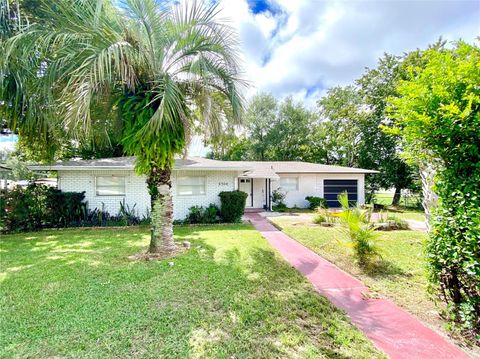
(393,330)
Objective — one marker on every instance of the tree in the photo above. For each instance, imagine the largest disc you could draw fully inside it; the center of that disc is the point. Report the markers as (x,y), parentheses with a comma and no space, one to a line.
(341,112)
(437,116)
(291,129)
(268,123)
(378,149)
(259,118)
(147,74)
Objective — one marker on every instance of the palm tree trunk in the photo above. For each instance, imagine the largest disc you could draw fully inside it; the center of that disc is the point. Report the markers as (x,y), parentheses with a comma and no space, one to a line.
(160,187)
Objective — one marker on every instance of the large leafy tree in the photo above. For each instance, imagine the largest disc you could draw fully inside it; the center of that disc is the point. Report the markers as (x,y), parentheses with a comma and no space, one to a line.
(437,116)
(379,150)
(266,124)
(142,72)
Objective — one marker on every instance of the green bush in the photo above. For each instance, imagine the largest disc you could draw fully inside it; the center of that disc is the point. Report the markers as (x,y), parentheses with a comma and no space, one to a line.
(203,215)
(399,222)
(453,254)
(437,118)
(359,230)
(281,207)
(38,206)
(316,202)
(277,199)
(319,218)
(232,205)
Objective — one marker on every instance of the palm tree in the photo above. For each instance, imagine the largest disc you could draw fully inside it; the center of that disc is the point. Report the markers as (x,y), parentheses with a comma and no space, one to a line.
(149,72)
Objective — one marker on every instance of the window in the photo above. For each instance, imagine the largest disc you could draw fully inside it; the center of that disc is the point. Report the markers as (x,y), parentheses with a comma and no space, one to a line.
(110,186)
(289,183)
(190,186)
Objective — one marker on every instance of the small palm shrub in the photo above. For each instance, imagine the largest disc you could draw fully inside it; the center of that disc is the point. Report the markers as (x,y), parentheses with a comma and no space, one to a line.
(360,231)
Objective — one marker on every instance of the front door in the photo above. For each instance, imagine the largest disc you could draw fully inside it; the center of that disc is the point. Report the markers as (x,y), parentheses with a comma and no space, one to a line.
(245,185)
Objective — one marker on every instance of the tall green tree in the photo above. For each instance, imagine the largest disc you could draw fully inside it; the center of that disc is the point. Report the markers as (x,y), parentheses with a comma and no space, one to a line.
(379,150)
(291,129)
(437,116)
(341,113)
(147,71)
(266,124)
(259,118)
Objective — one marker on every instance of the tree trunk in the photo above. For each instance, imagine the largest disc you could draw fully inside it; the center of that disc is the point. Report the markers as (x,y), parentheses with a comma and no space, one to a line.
(160,188)
(430,198)
(396,196)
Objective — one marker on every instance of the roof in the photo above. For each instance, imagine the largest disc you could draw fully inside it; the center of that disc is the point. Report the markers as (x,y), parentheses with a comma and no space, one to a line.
(128,163)
(266,169)
(261,173)
(300,167)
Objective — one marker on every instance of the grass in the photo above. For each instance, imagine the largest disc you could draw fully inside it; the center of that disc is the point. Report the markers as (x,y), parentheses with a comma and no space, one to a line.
(74,293)
(400,275)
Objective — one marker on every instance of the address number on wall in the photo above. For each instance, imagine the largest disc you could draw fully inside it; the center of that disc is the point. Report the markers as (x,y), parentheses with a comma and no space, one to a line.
(223,183)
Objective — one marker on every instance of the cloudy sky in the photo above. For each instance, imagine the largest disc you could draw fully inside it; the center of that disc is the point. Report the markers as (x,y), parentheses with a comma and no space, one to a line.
(303,47)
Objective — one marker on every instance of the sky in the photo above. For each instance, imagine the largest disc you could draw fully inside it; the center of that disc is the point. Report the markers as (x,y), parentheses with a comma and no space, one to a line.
(303,47)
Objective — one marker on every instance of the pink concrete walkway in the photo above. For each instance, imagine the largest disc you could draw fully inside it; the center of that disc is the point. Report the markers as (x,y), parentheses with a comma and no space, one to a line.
(396,332)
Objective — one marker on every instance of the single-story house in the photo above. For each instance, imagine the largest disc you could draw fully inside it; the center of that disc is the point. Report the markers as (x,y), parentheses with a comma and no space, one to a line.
(198,181)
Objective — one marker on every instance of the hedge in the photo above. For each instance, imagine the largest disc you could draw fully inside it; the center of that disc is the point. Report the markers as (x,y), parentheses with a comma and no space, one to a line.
(232,205)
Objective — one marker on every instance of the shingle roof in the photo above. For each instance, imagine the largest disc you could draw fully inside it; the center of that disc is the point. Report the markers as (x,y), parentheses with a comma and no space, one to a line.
(301,167)
(200,163)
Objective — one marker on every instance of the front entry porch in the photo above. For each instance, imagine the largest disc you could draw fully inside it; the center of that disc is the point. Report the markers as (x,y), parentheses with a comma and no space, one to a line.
(258,187)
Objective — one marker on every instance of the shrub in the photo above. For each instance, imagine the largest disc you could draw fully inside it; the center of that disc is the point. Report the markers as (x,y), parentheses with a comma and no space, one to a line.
(277,199)
(359,230)
(319,218)
(316,202)
(128,214)
(397,222)
(28,208)
(205,215)
(232,205)
(38,206)
(65,208)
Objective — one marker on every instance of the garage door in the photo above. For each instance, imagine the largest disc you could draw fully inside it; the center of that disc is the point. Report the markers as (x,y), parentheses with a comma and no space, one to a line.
(332,188)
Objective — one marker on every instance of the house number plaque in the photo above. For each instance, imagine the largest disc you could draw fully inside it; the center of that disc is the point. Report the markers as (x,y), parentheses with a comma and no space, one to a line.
(223,183)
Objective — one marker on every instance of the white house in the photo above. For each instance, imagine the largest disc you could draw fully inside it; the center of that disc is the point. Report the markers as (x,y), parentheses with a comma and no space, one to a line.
(198,181)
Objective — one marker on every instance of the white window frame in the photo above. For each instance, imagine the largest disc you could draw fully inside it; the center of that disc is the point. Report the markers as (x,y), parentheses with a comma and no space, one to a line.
(282,186)
(203,188)
(119,194)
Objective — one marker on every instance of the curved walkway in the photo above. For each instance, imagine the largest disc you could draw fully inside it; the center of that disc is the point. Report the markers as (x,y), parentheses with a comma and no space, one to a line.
(396,332)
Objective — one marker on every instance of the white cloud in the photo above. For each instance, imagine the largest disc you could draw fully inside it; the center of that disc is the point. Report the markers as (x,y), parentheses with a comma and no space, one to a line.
(304,47)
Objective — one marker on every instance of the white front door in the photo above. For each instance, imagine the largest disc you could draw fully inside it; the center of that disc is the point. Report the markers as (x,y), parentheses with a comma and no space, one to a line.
(245,185)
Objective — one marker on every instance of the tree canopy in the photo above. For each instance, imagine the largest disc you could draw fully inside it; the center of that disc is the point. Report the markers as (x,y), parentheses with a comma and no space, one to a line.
(140,73)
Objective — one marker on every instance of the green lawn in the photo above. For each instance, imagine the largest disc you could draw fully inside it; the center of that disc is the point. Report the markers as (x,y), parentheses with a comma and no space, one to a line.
(399,276)
(74,293)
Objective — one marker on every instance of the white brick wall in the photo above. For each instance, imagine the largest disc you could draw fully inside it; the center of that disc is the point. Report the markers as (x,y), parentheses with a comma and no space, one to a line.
(137,192)
(216,181)
(135,189)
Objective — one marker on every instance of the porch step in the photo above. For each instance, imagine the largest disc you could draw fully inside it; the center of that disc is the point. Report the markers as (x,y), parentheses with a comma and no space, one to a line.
(254,210)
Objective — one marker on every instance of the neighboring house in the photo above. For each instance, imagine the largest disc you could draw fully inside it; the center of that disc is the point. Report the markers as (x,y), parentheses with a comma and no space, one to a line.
(5,175)
(198,181)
